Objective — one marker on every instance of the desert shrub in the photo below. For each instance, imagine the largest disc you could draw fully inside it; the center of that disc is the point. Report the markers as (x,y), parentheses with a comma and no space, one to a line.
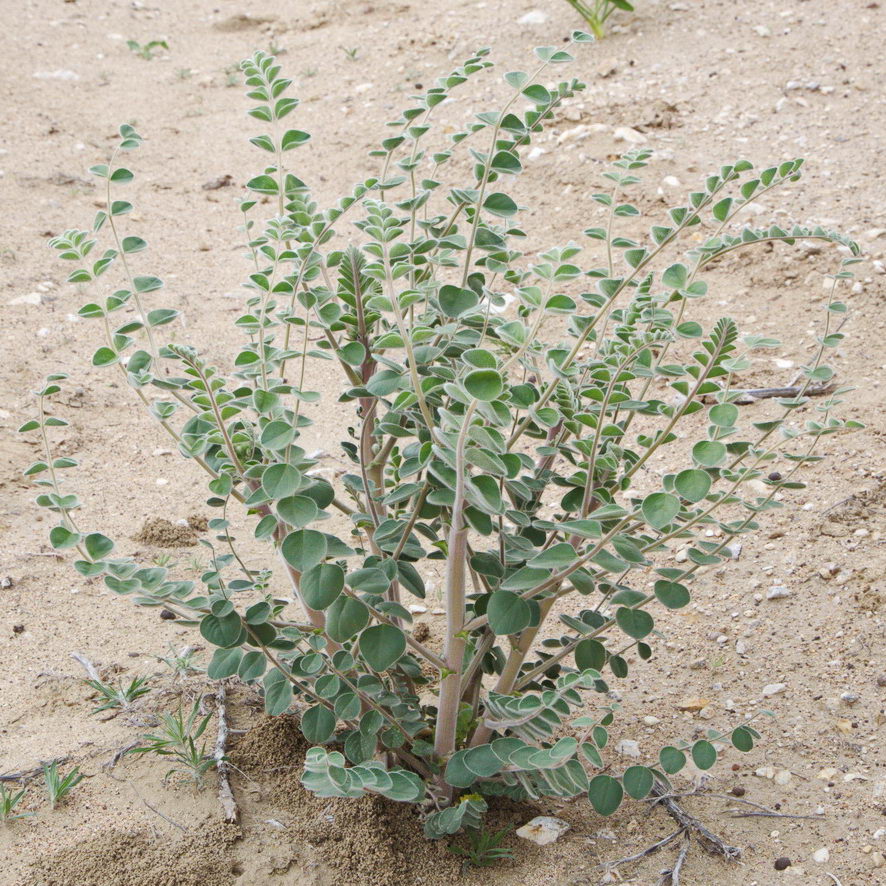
(596,12)
(509,410)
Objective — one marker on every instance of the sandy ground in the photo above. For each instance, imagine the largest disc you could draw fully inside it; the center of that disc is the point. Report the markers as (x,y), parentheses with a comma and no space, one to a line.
(705,82)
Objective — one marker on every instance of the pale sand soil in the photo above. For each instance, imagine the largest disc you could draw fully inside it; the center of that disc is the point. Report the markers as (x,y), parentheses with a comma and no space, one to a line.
(705,88)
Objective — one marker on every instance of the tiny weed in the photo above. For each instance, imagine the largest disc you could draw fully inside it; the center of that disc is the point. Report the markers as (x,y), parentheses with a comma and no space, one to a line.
(595,12)
(350,54)
(59,786)
(119,696)
(177,739)
(483,848)
(146,50)
(8,803)
(181,661)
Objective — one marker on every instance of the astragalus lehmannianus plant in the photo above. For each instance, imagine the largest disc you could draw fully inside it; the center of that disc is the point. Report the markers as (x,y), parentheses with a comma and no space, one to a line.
(509,410)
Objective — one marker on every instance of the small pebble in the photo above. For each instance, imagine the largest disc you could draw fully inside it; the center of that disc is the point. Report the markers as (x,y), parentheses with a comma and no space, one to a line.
(543,829)
(773,689)
(820,856)
(782,863)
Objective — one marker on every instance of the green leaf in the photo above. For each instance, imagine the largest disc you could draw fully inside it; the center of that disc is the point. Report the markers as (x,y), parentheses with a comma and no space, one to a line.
(638,781)
(484,384)
(104,357)
(382,645)
(293,138)
(321,584)
(298,510)
(133,244)
(742,739)
(605,794)
(147,284)
(500,204)
(457,773)
(693,485)
(709,453)
(97,545)
(60,537)
(675,277)
(252,666)
(304,548)
(222,631)
(672,760)
(635,623)
(224,663)
(590,654)
(723,415)
(263,184)
(455,301)
(280,481)
(671,594)
(508,613)
(277,435)
(704,754)
(345,618)
(278,692)
(318,724)
(660,508)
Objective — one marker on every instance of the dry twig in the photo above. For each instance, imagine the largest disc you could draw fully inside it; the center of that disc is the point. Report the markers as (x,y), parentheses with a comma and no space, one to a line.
(174,823)
(672,876)
(753,394)
(225,794)
(27,774)
(119,754)
(87,665)
(708,839)
(649,850)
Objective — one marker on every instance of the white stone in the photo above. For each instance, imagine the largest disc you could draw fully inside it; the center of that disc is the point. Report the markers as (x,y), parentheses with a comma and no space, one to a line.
(777,592)
(60,74)
(533,17)
(543,829)
(631,136)
(628,748)
(671,181)
(762,31)
(820,856)
(771,689)
(417,609)
(576,133)
(650,720)
(783,776)
(363,87)
(535,153)
(32,298)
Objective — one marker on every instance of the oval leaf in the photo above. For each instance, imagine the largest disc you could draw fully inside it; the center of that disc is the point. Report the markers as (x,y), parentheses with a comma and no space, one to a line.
(381,646)
(508,613)
(605,794)
(321,584)
(660,508)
